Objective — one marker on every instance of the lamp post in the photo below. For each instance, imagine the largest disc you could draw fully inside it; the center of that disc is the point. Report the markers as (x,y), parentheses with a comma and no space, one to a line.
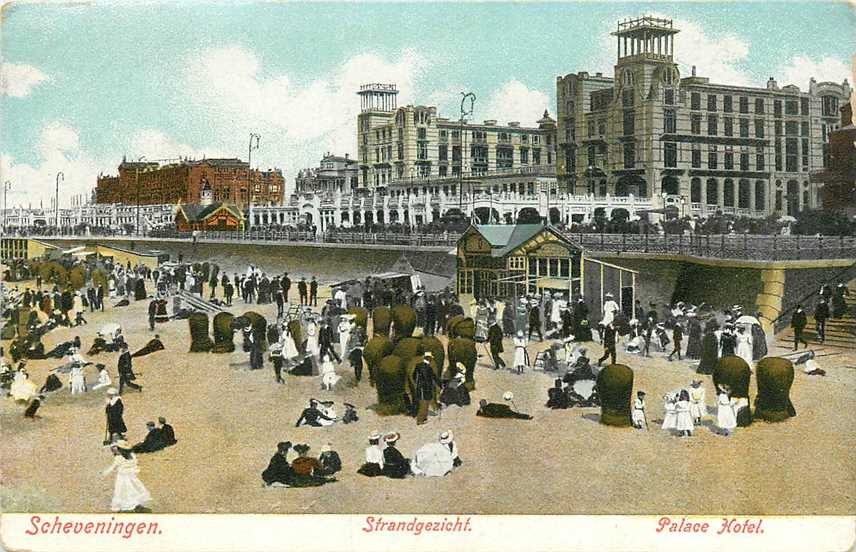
(254,145)
(137,225)
(6,187)
(59,176)
(466,110)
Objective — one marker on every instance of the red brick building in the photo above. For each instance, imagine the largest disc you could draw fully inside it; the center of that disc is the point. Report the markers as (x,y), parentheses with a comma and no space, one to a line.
(229,180)
(839,179)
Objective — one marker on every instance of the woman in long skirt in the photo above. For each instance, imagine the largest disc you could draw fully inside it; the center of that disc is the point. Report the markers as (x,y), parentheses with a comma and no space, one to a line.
(694,346)
(519,352)
(709,352)
(725,418)
(744,345)
(77,381)
(129,494)
(684,419)
(289,348)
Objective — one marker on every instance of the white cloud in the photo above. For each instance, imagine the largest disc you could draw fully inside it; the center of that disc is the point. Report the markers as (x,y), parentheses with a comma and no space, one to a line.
(155,144)
(514,101)
(59,150)
(17,80)
(298,121)
(800,69)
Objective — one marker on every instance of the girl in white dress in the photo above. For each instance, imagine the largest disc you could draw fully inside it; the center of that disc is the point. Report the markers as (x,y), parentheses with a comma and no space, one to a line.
(344,335)
(519,352)
(22,388)
(289,348)
(697,400)
(638,414)
(725,418)
(744,345)
(670,419)
(312,347)
(103,377)
(684,420)
(129,494)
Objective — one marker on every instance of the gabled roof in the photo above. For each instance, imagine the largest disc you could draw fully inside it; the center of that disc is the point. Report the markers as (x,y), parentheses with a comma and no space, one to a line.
(505,238)
(195,212)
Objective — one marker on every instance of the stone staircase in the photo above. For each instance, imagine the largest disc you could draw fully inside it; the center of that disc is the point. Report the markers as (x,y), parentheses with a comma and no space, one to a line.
(840,332)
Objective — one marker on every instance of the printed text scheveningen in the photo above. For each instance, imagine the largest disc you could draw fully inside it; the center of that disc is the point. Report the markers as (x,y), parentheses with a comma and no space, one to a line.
(125,529)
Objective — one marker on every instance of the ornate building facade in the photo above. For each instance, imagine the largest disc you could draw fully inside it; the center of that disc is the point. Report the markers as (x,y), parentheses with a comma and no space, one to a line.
(182,180)
(334,174)
(649,131)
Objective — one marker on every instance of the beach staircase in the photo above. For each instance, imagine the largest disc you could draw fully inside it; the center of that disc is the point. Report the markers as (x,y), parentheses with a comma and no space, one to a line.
(197,303)
(840,332)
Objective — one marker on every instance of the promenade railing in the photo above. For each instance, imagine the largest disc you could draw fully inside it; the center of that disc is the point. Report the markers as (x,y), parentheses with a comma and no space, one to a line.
(721,246)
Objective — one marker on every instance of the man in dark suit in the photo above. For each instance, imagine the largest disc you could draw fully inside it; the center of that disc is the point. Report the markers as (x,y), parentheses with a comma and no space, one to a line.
(821,314)
(114,410)
(152,442)
(301,290)
(677,338)
(496,410)
(325,342)
(285,283)
(494,339)
(167,432)
(798,323)
(126,371)
(153,310)
(424,383)
(313,292)
(608,344)
(101,297)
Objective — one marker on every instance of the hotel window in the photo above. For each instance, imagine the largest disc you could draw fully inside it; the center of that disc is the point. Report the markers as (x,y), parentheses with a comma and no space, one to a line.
(465,281)
(791,155)
(695,100)
(711,160)
(804,128)
(726,104)
(669,96)
(627,98)
(759,105)
(759,162)
(778,127)
(601,130)
(759,128)
(590,150)
(422,151)
(695,124)
(744,128)
(400,150)
(696,159)
(777,108)
(590,129)
(792,128)
(420,133)
(829,106)
(442,170)
(629,120)
(517,263)
(711,102)
(536,156)
(803,106)
(804,150)
(729,126)
(711,125)
(443,152)
(792,107)
(671,154)
(524,138)
(444,135)
(629,155)
(728,161)
(744,104)
(669,121)
(744,161)
(524,155)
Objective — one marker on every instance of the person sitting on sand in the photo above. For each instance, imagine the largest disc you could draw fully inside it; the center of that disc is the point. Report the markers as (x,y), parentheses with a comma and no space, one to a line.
(307,470)
(167,432)
(557,398)
(329,460)
(373,465)
(152,442)
(279,472)
(395,465)
(312,416)
(103,377)
(455,392)
(155,344)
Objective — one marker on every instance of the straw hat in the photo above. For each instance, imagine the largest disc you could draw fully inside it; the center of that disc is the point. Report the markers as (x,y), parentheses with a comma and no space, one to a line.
(391,437)
(446,437)
(375,436)
(508,395)
(112,391)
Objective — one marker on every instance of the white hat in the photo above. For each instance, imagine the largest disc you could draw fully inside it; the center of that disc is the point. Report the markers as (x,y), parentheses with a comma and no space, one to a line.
(112,391)
(460,376)
(446,437)
(375,436)
(428,354)
(508,396)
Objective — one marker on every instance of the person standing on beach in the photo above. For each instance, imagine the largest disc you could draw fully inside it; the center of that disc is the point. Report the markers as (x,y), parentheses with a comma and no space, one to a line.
(313,292)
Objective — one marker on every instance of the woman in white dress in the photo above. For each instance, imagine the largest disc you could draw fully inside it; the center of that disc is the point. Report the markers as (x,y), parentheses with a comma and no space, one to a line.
(610,307)
(129,494)
(684,420)
(312,347)
(22,388)
(77,381)
(744,345)
(670,419)
(289,348)
(345,326)
(725,417)
(519,352)
(329,377)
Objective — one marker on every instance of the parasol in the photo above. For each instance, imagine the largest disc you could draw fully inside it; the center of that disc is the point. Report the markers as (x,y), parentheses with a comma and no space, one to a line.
(432,460)
(746,319)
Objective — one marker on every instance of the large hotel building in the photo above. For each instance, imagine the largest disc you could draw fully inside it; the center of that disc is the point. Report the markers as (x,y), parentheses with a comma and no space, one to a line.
(152,183)
(403,144)
(700,146)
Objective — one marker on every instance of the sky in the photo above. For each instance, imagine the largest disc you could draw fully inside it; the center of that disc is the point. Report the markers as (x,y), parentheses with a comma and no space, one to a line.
(82,85)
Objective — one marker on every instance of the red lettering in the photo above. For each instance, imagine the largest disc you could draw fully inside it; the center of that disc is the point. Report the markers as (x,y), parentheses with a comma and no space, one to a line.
(369,522)
(34,520)
(88,527)
(67,527)
(662,522)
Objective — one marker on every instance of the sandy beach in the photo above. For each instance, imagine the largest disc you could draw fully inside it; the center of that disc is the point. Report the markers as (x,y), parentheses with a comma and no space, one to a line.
(228,420)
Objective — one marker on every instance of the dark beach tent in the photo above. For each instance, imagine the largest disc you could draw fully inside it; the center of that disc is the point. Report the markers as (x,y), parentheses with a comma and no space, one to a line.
(734,372)
(774,378)
(615,388)
(381,320)
(223,333)
(200,342)
(403,320)
(390,386)
(140,289)
(463,350)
